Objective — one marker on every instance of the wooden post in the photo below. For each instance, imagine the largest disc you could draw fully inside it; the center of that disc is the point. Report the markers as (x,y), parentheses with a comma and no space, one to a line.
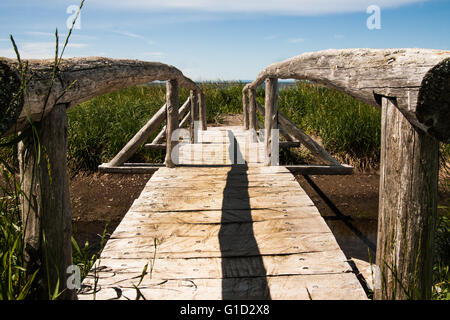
(46,211)
(407,208)
(245,109)
(172,119)
(252,109)
(271,116)
(202,110)
(194,113)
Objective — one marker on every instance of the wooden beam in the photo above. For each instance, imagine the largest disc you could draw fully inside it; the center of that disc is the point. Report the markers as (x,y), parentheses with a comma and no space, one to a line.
(93,76)
(202,111)
(172,119)
(417,78)
(46,212)
(271,120)
(162,134)
(139,138)
(155,146)
(252,109)
(194,113)
(245,107)
(130,168)
(407,208)
(320,169)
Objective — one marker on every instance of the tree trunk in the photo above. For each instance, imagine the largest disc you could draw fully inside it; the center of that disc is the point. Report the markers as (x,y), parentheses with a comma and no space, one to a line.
(46,211)
(172,119)
(407,208)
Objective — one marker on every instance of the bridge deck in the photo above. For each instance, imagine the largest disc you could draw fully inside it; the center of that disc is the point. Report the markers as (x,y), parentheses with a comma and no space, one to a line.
(223,232)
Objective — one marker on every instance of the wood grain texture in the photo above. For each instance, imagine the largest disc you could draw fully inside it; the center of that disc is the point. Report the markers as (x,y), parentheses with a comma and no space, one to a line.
(223,232)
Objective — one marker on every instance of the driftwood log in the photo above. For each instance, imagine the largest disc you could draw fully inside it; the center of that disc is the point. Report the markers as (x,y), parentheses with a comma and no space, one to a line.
(419,80)
(172,119)
(87,78)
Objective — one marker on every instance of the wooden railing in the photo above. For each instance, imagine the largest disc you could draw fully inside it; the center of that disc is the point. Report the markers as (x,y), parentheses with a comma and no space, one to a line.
(412,88)
(75,81)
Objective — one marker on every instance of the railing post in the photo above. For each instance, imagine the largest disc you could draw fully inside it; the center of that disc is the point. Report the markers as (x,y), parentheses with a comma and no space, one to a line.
(271,117)
(252,109)
(194,113)
(202,110)
(172,119)
(46,209)
(407,208)
(245,109)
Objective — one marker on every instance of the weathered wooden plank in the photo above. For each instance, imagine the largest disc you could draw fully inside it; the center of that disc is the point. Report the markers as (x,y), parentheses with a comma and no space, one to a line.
(337,287)
(141,228)
(313,263)
(225,246)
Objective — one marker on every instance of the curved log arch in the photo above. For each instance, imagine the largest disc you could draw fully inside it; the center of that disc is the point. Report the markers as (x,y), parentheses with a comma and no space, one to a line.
(369,74)
(94,76)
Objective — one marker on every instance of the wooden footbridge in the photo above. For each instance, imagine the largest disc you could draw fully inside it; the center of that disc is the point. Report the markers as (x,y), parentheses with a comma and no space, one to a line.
(220,231)
(221,219)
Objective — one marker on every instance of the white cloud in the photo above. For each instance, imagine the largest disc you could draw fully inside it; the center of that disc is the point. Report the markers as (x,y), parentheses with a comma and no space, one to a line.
(339,36)
(296,40)
(134,35)
(38,50)
(291,7)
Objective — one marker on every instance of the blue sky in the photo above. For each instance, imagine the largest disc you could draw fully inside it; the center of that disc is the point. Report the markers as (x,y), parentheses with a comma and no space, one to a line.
(220,39)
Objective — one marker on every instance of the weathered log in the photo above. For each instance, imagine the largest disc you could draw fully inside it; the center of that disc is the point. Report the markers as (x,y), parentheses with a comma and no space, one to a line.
(46,211)
(252,109)
(139,138)
(245,106)
(299,135)
(407,208)
(270,118)
(90,77)
(194,113)
(369,74)
(202,111)
(162,134)
(172,119)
